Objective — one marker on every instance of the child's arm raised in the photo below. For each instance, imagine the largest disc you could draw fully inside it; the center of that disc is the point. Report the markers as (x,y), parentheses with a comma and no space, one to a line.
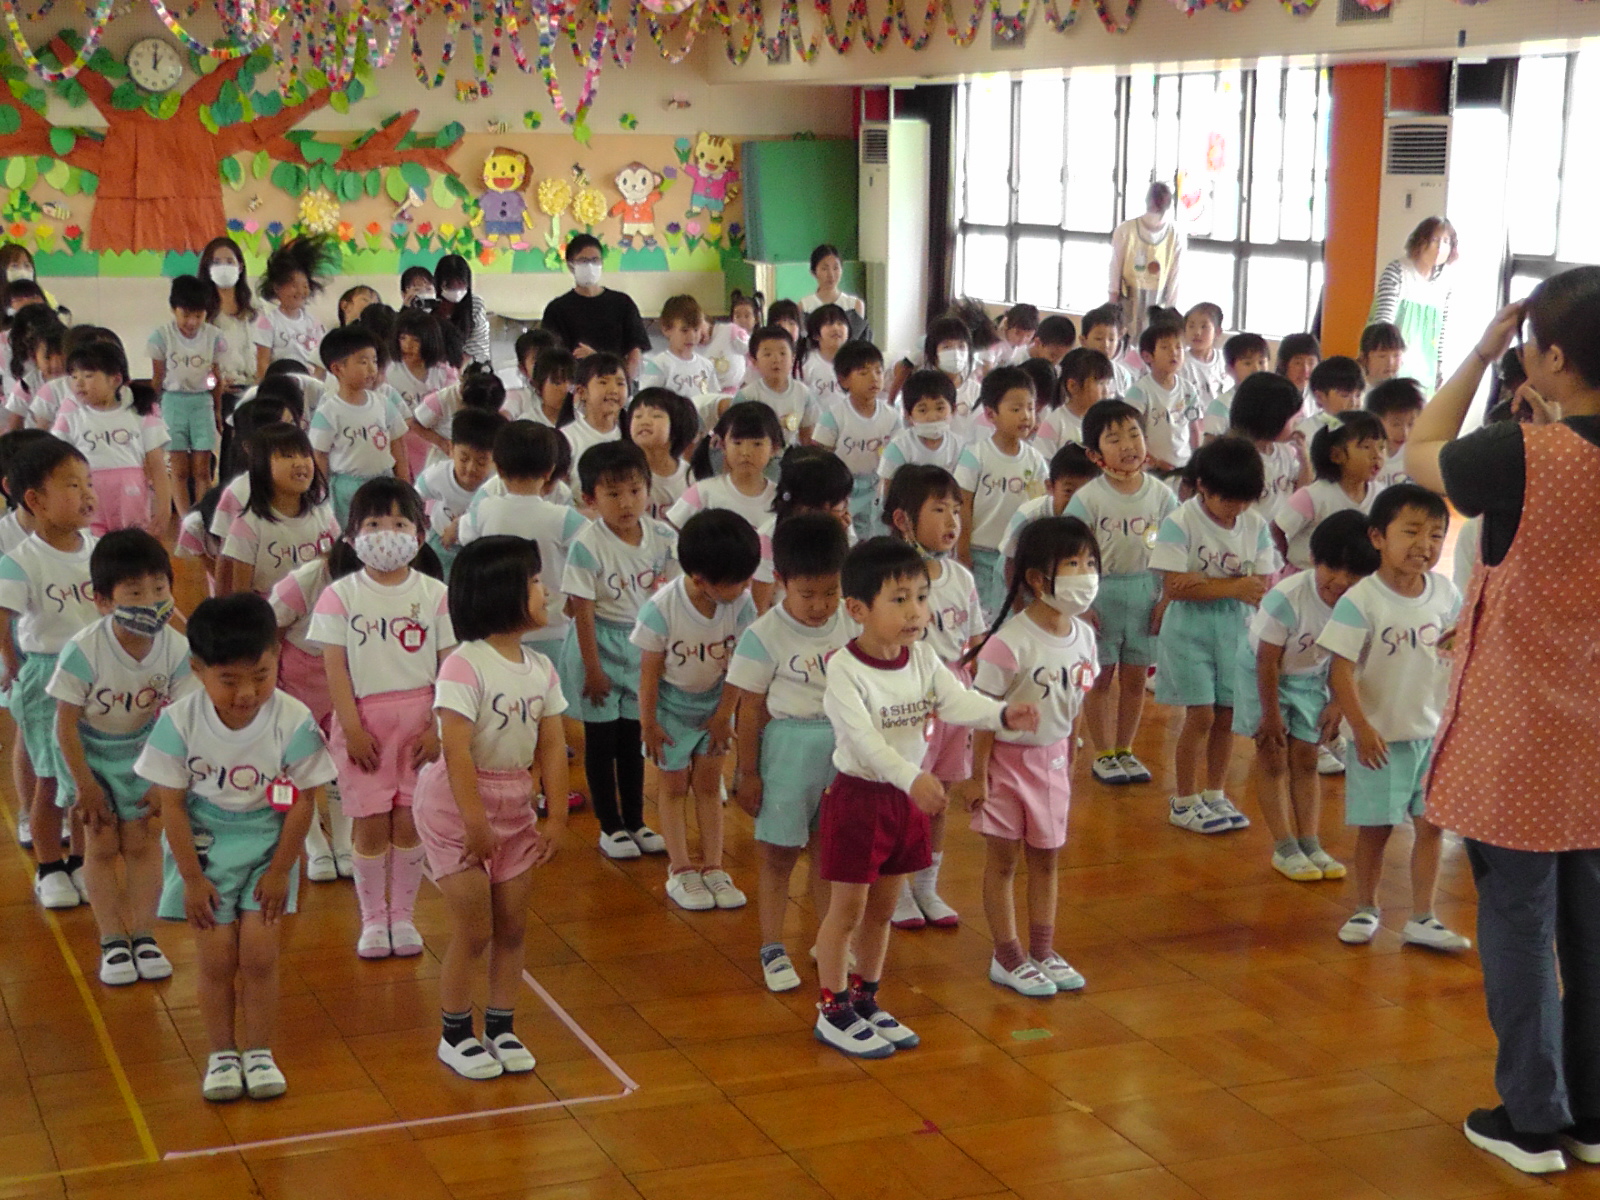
(342,691)
(651,664)
(961,705)
(553,771)
(1371,750)
(596,684)
(94,807)
(455,734)
(199,894)
(751,722)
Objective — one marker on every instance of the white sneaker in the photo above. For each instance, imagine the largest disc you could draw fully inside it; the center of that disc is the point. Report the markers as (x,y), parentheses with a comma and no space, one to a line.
(780,974)
(344,862)
(1330,866)
(1360,929)
(1026,980)
(859,1039)
(262,1079)
(937,913)
(618,845)
(55,890)
(25,830)
(1431,932)
(648,840)
(1197,818)
(906,913)
(1296,866)
(322,869)
(117,968)
(1223,807)
(1150,682)
(1135,770)
(512,1055)
(688,890)
(151,964)
(720,885)
(1107,768)
(224,1077)
(891,1031)
(1328,762)
(1060,972)
(470,1059)
(80,883)
(404,939)
(374,941)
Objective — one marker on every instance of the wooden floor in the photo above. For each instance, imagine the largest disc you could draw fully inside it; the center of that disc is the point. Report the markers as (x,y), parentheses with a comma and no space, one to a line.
(1227,1046)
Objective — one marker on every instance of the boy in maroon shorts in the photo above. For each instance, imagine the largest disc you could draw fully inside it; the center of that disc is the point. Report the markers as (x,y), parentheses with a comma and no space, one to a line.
(882,690)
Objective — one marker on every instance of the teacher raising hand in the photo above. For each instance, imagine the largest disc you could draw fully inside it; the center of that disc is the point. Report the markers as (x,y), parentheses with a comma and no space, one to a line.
(1516,763)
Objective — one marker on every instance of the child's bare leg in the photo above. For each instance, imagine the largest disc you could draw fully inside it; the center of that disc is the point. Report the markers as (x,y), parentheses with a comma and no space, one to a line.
(104,845)
(1219,749)
(403,833)
(1424,865)
(22,776)
(707,775)
(46,819)
(373,836)
(200,472)
(999,904)
(1130,703)
(1370,843)
(1305,789)
(141,866)
(872,942)
(1193,738)
(847,906)
(178,465)
(1271,772)
(671,796)
(217,953)
(509,901)
(1098,711)
(772,888)
(471,926)
(258,979)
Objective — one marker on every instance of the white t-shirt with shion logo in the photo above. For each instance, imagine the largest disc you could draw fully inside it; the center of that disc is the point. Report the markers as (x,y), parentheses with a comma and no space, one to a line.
(273,547)
(1024,663)
(118,693)
(787,662)
(357,438)
(392,636)
(1191,543)
(1124,524)
(50,592)
(504,700)
(697,647)
(1000,483)
(617,576)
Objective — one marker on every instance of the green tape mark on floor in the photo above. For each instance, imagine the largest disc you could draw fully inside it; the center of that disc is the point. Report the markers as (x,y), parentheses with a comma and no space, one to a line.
(1031,1035)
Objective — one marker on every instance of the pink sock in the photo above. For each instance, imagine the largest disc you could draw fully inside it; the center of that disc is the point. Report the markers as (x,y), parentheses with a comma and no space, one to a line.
(405,877)
(1041,941)
(371,875)
(1009,954)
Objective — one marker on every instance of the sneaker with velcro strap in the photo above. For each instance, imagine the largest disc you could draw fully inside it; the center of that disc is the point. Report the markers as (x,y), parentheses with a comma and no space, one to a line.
(55,891)
(618,845)
(1329,762)
(907,914)
(1296,866)
(858,1039)
(648,840)
(780,975)
(1134,770)
(117,967)
(224,1077)
(262,1078)
(1224,807)
(891,1031)
(510,1053)
(470,1059)
(687,889)
(1060,972)
(1107,768)
(1196,818)
(1434,934)
(723,891)
(151,964)
(1025,979)
(1360,929)
(1330,866)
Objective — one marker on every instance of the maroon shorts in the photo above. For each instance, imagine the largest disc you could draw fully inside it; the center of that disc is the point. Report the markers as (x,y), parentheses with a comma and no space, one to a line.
(870,829)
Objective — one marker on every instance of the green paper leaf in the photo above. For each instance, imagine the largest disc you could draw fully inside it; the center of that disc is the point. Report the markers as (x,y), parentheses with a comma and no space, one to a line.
(349,186)
(289,178)
(89,181)
(339,102)
(320,152)
(314,79)
(169,104)
(62,141)
(374,182)
(442,195)
(31,176)
(355,90)
(449,135)
(395,185)
(260,164)
(16,172)
(126,97)
(455,187)
(58,175)
(10,120)
(35,98)
(71,185)
(232,173)
(208,120)
(266,104)
(415,176)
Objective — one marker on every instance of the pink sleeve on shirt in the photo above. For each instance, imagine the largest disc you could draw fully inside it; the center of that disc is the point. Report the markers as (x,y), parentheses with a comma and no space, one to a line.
(692,497)
(229,504)
(456,669)
(288,593)
(330,604)
(243,530)
(1302,504)
(1000,654)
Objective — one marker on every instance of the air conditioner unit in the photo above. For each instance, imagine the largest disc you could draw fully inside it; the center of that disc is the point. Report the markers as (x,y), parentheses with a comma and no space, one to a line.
(893,227)
(1416,166)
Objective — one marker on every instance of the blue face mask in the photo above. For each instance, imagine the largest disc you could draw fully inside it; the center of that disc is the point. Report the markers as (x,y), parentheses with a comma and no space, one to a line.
(143,620)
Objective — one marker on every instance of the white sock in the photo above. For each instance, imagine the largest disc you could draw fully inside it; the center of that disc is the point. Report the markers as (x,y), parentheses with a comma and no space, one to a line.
(927,879)
(1185,801)
(1211,794)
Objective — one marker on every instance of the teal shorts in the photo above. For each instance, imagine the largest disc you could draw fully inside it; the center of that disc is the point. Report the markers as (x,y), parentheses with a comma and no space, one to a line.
(235,851)
(1123,606)
(989,573)
(342,488)
(866,507)
(34,711)
(796,768)
(447,556)
(1393,792)
(1197,653)
(619,659)
(191,419)
(111,757)
(683,717)
(1301,699)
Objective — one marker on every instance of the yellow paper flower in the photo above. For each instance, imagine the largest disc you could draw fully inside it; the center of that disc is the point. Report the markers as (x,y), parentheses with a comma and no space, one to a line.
(589,207)
(44,233)
(554,195)
(447,230)
(319,212)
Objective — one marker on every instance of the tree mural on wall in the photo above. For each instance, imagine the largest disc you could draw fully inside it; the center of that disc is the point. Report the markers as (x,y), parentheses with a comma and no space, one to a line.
(160,163)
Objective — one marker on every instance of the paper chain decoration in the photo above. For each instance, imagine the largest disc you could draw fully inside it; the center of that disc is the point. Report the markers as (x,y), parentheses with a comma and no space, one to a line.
(338,37)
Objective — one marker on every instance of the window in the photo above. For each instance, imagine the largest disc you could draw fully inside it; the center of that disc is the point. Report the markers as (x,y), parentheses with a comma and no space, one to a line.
(1549,210)
(1051,165)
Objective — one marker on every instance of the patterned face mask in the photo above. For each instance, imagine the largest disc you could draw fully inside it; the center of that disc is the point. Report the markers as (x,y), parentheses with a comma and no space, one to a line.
(143,620)
(386,550)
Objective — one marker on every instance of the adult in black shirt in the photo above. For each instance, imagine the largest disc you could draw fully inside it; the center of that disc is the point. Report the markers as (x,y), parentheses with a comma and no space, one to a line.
(591,318)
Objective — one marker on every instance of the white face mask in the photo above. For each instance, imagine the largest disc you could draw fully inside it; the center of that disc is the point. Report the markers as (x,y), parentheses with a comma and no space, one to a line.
(586,274)
(455,295)
(1074,594)
(385,550)
(18,272)
(224,275)
(953,362)
(931,429)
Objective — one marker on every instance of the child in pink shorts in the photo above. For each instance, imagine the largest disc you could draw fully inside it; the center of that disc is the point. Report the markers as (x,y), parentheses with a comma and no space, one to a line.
(499,708)
(117,426)
(383,628)
(1043,656)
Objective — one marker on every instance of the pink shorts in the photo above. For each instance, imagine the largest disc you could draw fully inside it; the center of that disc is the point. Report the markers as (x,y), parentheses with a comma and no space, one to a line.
(305,678)
(508,803)
(1030,790)
(416,453)
(121,500)
(396,721)
(948,757)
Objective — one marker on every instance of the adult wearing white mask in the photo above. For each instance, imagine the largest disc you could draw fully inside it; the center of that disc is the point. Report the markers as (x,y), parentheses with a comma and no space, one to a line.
(1145,255)
(222,263)
(592,318)
(461,307)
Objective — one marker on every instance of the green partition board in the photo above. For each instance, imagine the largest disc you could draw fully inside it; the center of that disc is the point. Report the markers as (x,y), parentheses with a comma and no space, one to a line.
(799,194)
(793,279)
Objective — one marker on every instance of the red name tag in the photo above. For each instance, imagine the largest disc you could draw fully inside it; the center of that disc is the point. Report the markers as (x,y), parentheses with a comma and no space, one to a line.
(282,794)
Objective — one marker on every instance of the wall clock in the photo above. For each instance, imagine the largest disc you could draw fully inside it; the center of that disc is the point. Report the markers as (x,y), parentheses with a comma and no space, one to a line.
(155,64)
